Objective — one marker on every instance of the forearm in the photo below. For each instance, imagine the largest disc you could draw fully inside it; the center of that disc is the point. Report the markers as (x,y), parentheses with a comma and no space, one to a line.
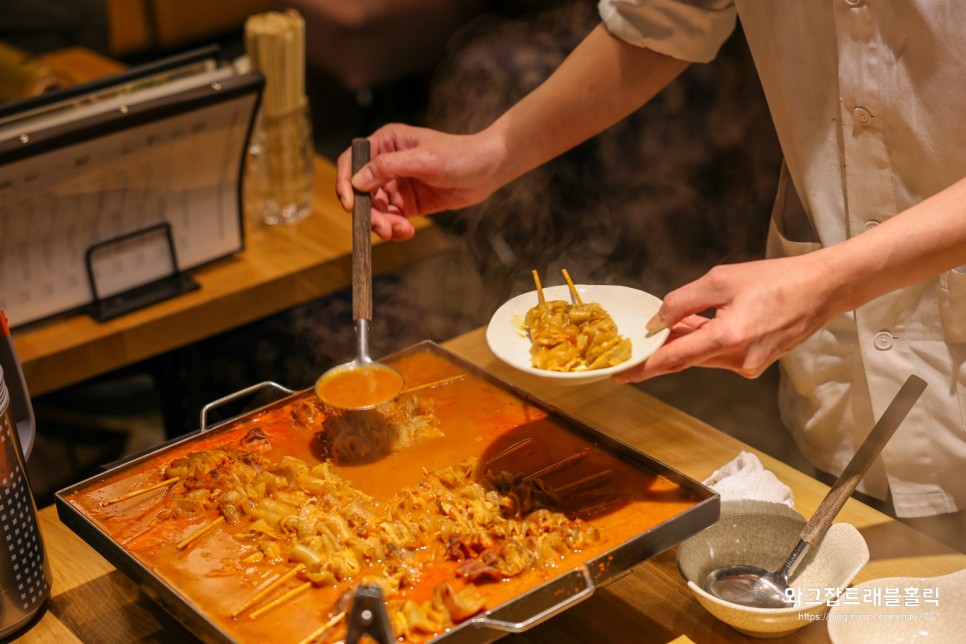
(600,83)
(919,243)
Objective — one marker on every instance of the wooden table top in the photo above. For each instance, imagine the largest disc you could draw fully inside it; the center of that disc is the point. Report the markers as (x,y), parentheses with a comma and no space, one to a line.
(280,267)
(93,602)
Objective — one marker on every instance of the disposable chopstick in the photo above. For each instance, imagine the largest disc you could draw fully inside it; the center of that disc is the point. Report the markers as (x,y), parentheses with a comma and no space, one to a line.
(257,597)
(573,289)
(200,531)
(145,490)
(275,43)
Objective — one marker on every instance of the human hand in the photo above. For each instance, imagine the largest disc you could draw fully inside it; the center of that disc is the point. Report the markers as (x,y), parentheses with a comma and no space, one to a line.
(762,310)
(418,171)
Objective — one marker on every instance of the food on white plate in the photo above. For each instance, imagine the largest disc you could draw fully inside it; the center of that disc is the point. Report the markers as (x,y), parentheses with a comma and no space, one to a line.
(573,337)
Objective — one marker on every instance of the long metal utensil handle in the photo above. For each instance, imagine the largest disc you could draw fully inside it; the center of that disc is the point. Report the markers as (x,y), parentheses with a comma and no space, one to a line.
(887,425)
(361,239)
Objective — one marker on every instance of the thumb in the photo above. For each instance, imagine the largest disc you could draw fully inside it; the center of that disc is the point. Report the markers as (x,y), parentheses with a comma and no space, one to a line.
(386,167)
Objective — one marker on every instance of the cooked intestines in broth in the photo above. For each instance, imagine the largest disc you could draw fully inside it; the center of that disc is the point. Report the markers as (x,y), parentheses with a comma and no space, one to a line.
(493,525)
(453,499)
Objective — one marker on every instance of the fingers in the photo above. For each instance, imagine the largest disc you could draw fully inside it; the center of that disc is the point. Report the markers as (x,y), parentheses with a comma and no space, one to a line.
(392,227)
(686,346)
(711,344)
(385,142)
(700,295)
(394,166)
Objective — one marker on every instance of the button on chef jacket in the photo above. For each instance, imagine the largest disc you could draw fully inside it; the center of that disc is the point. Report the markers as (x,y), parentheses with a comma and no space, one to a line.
(869,103)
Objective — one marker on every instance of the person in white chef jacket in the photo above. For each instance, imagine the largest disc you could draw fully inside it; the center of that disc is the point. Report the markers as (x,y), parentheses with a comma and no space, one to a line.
(865,281)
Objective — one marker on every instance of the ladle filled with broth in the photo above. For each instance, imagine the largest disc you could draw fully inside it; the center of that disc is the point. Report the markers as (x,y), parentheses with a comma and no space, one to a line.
(361,383)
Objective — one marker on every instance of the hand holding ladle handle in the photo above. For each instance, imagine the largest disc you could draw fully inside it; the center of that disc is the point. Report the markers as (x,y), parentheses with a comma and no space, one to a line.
(361,238)
(886,426)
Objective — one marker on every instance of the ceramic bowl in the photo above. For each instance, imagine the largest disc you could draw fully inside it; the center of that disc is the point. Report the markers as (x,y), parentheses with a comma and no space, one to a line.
(763,534)
(896,610)
(630,308)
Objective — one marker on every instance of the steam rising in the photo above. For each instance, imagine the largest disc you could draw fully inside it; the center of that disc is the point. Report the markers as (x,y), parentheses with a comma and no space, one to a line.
(655,201)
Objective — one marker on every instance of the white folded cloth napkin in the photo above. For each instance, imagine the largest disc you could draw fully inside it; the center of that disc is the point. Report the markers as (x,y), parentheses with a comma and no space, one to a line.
(746,478)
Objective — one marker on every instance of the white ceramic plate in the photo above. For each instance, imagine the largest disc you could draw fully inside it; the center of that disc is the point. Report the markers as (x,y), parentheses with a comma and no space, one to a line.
(900,610)
(630,308)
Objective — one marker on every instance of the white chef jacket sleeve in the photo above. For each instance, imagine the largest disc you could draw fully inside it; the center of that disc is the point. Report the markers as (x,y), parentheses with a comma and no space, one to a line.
(689,30)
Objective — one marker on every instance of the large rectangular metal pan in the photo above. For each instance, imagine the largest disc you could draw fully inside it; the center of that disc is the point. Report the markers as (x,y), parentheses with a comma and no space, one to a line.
(520,613)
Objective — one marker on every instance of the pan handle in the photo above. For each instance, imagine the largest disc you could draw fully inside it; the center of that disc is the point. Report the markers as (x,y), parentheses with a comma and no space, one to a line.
(241,393)
(585,588)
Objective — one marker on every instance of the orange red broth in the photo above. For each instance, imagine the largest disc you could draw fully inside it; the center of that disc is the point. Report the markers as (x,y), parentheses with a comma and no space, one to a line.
(478,419)
(359,387)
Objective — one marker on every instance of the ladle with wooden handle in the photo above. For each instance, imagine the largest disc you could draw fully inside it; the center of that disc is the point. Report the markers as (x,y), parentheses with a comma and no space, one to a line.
(759,588)
(361,383)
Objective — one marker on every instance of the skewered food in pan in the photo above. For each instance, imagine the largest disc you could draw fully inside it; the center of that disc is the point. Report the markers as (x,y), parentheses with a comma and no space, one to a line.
(573,337)
(490,526)
(263,537)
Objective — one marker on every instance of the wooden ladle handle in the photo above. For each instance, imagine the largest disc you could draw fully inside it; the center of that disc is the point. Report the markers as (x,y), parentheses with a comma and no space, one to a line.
(843,487)
(361,239)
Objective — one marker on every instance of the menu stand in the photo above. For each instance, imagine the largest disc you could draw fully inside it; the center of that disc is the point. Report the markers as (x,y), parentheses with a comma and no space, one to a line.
(112,176)
(148,255)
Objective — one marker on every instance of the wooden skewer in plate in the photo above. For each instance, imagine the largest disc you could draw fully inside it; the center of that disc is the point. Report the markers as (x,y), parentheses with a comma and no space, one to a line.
(573,289)
(131,495)
(200,531)
(557,466)
(431,385)
(599,508)
(278,601)
(586,482)
(509,450)
(317,633)
(275,583)
(536,280)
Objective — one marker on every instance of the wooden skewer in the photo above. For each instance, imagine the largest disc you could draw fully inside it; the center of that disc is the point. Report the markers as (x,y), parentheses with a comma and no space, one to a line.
(137,536)
(587,481)
(322,629)
(600,508)
(573,289)
(257,597)
(278,601)
(131,495)
(200,531)
(556,467)
(435,383)
(509,450)
(536,280)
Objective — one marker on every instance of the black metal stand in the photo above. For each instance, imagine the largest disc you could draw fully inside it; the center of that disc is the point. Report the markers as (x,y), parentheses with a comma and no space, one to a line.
(166,287)
(368,617)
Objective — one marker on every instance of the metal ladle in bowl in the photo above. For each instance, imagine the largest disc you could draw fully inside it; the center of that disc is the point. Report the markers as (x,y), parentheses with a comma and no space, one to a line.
(759,588)
(362,383)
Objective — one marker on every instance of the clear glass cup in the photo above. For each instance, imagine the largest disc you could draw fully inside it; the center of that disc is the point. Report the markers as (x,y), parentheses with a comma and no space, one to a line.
(280,167)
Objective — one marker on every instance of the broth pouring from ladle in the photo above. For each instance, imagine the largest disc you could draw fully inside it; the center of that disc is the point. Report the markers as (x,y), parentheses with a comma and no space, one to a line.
(361,383)
(759,588)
